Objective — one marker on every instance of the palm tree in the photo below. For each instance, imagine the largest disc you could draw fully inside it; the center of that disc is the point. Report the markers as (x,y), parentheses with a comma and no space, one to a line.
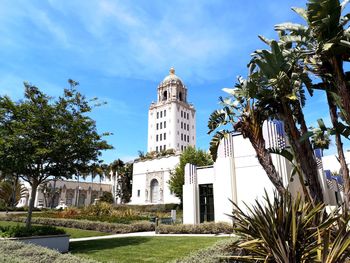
(115,168)
(325,46)
(279,83)
(7,190)
(244,116)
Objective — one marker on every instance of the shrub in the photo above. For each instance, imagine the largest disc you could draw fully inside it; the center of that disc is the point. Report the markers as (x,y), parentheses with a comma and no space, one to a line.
(18,252)
(291,230)
(205,228)
(107,197)
(88,225)
(22,231)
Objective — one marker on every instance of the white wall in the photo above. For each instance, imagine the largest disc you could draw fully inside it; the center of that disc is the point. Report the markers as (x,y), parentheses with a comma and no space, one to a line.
(142,169)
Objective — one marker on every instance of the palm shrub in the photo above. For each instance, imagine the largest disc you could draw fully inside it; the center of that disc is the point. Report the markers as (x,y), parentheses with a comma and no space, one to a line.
(291,230)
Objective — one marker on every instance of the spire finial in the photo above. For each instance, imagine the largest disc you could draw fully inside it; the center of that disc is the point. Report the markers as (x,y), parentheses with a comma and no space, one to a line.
(172,71)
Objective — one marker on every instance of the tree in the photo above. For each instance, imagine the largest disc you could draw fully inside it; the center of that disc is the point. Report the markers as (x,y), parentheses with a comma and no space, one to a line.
(241,112)
(192,156)
(280,83)
(115,168)
(42,138)
(325,46)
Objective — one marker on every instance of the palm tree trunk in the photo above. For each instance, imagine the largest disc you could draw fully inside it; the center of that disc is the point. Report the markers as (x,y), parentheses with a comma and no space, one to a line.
(265,160)
(303,154)
(343,166)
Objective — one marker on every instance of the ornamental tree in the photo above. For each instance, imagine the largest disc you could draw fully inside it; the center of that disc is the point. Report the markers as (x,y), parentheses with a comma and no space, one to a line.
(192,156)
(41,138)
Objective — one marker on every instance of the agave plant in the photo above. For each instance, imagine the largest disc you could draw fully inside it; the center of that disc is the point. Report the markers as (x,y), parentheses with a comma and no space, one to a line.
(291,230)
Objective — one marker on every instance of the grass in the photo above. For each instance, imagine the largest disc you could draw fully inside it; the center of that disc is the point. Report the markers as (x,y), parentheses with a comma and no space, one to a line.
(141,249)
(73,232)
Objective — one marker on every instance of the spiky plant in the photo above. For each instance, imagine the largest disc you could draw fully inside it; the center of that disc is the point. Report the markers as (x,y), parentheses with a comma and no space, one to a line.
(291,230)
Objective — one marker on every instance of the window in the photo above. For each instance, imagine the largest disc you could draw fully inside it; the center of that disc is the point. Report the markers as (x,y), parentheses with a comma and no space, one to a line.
(161,114)
(164,113)
(181,125)
(164,124)
(157,126)
(156,137)
(182,147)
(181,114)
(161,125)
(161,135)
(157,115)
(164,147)
(188,127)
(188,116)
(160,148)
(156,148)
(188,138)
(164,136)
(182,137)
(138,193)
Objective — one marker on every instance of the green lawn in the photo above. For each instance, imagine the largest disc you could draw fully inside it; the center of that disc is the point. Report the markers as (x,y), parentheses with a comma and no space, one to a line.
(73,232)
(140,249)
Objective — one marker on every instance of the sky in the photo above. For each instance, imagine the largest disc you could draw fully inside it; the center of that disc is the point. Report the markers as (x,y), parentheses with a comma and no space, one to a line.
(119,51)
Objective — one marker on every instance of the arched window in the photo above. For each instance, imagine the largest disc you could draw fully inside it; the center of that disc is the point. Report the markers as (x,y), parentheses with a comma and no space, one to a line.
(180,96)
(154,191)
(165,95)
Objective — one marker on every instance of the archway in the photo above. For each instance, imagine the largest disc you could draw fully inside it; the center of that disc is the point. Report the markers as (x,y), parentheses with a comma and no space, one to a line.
(154,191)
(165,95)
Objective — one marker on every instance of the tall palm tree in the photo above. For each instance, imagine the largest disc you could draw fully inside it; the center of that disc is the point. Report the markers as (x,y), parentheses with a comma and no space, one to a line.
(243,115)
(279,80)
(325,46)
(115,168)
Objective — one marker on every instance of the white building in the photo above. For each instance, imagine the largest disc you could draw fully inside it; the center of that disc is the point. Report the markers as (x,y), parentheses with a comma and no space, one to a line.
(171,120)
(171,125)
(236,175)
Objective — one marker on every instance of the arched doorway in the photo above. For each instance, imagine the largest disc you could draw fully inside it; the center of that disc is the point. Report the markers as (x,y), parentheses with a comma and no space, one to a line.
(154,191)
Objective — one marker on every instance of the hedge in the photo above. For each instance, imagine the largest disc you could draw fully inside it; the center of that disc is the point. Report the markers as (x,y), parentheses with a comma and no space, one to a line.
(22,231)
(18,252)
(88,225)
(205,228)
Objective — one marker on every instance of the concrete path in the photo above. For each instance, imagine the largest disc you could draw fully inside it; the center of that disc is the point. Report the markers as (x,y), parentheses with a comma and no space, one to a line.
(145,234)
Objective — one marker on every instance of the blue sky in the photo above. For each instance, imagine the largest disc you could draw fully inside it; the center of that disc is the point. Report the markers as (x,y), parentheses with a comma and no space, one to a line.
(120,50)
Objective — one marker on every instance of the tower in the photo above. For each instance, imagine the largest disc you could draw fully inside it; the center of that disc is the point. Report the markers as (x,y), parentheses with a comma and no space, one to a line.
(171,120)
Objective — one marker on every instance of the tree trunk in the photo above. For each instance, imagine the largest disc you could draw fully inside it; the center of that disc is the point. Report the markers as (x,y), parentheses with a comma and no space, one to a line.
(303,155)
(265,160)
(31,203)
(14,193)
(343,166)
(341,86)
(53,194)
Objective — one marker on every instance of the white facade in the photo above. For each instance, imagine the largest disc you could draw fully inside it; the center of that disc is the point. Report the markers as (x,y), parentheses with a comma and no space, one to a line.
(171,125)
(236,175)
(171,120)
(150,181)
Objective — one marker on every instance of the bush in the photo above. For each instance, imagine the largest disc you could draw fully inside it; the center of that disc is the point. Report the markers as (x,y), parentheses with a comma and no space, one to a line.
(18,252)
(88,225)
(107,197)
(22,231)
(205,228)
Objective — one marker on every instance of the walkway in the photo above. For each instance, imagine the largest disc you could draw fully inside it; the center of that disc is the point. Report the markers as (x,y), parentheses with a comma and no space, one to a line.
(145,234)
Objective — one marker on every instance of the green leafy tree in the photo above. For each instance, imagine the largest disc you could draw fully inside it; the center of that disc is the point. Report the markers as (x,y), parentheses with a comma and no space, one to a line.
(42,138)
(192,156)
